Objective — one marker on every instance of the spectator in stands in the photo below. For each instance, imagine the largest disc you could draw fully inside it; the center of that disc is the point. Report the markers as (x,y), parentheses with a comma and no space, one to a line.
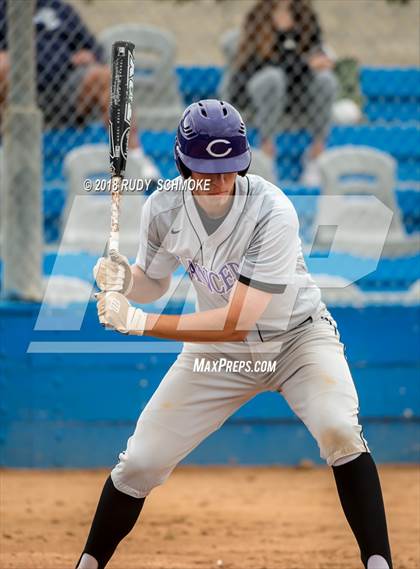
(73,82)
(72,79)
(281,68)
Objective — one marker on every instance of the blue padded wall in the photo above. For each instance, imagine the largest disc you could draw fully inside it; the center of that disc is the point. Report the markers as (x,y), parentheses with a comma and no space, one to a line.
(77,409)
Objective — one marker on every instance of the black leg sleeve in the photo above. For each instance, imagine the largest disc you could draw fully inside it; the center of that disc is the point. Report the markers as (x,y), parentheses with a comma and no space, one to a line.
(361,497)
(115,517)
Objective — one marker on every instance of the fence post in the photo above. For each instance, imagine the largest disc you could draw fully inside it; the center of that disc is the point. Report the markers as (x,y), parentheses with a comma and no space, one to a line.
(22,238)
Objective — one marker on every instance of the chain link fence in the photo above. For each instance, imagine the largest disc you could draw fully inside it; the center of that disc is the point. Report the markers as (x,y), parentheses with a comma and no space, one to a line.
(307,76)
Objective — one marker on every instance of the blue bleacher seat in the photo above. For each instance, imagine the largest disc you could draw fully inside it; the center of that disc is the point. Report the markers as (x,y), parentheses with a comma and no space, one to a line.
(391,94)
(160,147)
(290,147)
(409,203)
(158,144)
(390,82)
(57,143)
(392,274)
(388,110)
(199,82)
(401,141)
(60,141)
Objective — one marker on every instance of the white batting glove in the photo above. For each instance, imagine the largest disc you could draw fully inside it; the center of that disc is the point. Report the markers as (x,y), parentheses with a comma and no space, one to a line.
(116,313)
(113,273)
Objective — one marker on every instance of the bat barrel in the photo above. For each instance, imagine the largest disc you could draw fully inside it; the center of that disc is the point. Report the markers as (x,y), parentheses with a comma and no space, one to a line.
(122,86)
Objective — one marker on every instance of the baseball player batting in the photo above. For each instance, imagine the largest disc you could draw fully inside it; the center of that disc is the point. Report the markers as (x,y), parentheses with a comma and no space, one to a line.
(239,243)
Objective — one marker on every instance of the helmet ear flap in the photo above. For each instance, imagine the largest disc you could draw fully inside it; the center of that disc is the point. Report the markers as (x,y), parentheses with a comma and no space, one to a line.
(182,169)
(244,172)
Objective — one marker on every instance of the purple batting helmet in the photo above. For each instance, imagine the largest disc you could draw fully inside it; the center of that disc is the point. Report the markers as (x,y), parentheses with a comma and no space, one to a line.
(211,139)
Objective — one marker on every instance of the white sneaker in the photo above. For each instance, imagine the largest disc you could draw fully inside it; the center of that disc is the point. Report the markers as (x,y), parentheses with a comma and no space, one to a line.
(311,175)
(87,562)
(377,562)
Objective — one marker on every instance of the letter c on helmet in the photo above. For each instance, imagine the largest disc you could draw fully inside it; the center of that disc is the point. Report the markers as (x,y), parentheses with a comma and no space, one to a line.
(210,150)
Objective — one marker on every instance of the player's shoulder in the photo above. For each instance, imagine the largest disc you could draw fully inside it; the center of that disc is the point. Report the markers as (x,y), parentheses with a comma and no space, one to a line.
(166,198)
(262,187)
(271,197)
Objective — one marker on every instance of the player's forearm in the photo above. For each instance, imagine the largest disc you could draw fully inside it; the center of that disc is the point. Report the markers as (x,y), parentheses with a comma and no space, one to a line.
(209,326)
(145,289)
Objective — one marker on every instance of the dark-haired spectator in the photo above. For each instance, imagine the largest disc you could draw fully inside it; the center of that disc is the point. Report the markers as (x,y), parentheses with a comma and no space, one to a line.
(281,69)
(72,79)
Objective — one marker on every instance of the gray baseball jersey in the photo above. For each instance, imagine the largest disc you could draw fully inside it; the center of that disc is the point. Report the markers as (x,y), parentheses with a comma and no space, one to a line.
(257,243)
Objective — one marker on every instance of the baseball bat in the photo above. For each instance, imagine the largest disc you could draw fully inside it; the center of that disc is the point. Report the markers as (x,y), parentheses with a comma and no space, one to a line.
(122,86)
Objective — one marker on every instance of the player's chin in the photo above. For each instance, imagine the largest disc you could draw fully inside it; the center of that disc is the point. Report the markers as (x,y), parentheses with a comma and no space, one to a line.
(218,193)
